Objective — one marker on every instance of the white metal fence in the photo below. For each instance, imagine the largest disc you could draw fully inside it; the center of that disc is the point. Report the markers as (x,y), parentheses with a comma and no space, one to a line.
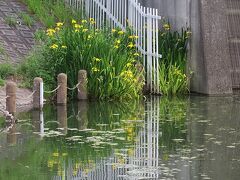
(143,21)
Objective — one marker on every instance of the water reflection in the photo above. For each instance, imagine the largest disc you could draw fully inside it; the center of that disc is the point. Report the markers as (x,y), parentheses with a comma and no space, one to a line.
(12,135)
(38,122)
(82,115)
(62,119)
(179,138)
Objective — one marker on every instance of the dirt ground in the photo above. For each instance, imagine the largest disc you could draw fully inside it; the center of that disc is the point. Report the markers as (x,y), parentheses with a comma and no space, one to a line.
(23,100)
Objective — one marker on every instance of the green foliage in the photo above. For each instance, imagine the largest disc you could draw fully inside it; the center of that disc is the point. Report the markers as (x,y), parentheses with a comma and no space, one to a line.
(108,57)
(30,68)
(11,21)
(6,70)
(51,11)
(27,19)
(40,35)
(172,69)
(2,82)
(172,79)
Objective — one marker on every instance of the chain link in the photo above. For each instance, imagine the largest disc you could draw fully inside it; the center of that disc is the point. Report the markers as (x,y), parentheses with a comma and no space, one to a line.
(49,92)
(28,96)
(74,86)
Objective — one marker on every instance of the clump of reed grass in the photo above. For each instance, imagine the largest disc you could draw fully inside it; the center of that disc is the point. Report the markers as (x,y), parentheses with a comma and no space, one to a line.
(172,69)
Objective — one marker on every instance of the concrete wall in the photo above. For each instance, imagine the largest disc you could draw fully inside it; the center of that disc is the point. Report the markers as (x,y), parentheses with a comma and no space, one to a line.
(209,57)
(177,11)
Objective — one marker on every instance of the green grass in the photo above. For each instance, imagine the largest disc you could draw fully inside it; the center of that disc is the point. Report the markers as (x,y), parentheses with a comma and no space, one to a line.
(51,11)
(6,70)
(27,19)
(11,21)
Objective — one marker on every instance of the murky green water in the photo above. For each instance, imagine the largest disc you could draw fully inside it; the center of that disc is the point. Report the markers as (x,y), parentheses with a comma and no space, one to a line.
(179,138)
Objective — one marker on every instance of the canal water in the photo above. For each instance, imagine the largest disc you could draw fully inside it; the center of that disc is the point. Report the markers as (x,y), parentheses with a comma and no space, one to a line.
(160,138)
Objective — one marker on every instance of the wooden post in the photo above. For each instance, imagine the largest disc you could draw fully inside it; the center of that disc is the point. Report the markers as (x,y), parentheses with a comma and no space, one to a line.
(11,97)
(38,93)
(82,87)
(62,90)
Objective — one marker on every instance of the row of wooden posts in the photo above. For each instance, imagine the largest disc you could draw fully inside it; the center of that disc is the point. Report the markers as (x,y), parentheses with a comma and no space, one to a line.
(38,91)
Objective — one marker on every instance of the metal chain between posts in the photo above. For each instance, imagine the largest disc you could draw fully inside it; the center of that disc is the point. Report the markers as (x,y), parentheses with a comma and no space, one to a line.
(49,92)
(4,98)
(74,86)
(25,104)
(28,96)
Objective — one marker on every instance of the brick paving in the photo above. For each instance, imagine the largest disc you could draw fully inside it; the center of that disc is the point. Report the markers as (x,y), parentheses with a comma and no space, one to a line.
(15,42)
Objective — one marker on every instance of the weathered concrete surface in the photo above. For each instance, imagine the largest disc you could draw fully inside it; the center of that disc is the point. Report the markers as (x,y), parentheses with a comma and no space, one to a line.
(176,11)
(209,57)
(209,54)
(15,42)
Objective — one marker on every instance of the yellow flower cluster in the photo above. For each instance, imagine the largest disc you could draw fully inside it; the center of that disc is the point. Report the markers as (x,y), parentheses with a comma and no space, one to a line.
(166,27)
(96,59)
(127,74)
(74,21)
(59,24)
(92,21)
(55,46)
(95,69)
(131,45)
(50,32)
(120,32)
(117,43)
(129,65)
(179,73)
(84,21)
(133,37)
(136,54)
(78,26)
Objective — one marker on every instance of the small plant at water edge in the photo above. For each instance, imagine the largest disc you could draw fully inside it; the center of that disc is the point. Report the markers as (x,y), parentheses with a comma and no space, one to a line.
(172,69)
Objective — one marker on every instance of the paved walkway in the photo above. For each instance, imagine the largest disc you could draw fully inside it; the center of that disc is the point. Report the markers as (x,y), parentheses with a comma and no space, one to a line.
(15,42)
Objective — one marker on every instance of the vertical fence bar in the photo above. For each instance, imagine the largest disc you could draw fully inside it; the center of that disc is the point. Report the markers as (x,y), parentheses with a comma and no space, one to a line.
(41,94)
(158,59)
(154,50)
